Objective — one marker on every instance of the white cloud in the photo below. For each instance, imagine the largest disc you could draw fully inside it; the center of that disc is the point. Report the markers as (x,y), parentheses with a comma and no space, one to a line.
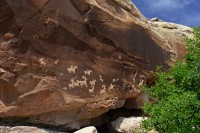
(167,5)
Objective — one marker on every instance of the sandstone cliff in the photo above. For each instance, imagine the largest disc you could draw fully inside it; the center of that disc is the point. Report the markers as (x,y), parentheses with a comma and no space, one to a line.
(63,62)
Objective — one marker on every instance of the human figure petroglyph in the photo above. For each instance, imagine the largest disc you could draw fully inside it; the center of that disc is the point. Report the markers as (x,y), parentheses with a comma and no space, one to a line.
(103,91)
(88,72)
(100,78)
(84,82)
(72,69)
(42,62)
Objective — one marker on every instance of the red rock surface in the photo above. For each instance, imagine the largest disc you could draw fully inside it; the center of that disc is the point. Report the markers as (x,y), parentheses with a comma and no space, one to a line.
(63,62)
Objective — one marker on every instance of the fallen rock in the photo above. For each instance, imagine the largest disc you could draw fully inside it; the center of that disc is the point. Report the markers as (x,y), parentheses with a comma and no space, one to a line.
(127,125)
(64,62)
(87,130)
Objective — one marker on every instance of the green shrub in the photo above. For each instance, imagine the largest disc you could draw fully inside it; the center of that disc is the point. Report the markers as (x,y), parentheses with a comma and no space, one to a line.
(178,94)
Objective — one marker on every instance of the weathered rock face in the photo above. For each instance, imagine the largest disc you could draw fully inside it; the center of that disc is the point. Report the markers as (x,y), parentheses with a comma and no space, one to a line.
(24,129)
(63,62)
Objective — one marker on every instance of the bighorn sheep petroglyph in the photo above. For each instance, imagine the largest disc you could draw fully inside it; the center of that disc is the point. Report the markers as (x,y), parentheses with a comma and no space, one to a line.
(72,69)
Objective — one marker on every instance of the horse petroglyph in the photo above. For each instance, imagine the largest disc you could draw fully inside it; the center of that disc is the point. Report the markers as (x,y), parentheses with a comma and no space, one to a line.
(72,69)
(88,72)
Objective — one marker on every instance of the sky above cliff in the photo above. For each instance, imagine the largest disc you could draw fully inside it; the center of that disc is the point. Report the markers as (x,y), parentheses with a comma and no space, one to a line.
(186,12)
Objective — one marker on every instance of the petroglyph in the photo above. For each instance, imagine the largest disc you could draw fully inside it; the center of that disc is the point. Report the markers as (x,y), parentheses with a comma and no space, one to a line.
(100,78)
(91,90)
(88,72)
(115,80)
(134,77)
(141,82)
(76,84)
(64,88)
(71,85)
(92,83)
(57,61)
(42,62)
(142,76)
(84,82)
(111,87)
(103,91)
(72,69)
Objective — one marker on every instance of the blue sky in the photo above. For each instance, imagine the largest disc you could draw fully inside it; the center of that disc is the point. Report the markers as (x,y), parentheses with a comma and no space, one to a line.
(186,12)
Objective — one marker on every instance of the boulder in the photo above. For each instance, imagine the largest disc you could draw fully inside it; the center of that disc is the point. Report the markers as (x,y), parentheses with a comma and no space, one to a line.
(127,125)
(87,130)
(64,62)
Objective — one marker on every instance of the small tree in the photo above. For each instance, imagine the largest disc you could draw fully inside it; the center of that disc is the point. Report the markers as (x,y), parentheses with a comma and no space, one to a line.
(178,94)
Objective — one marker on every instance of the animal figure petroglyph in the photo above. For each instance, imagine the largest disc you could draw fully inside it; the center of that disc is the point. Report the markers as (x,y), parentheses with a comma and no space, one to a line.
(71,85)
(115,80)
(91,90)
(111,87)
(42,62)
(100,78)
(103,91)
(92,83)
(72,69)
(76,84)
(88,72)
(84,82)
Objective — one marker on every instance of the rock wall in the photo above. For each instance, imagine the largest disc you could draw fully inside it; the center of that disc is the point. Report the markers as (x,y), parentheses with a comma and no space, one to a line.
(63,62)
